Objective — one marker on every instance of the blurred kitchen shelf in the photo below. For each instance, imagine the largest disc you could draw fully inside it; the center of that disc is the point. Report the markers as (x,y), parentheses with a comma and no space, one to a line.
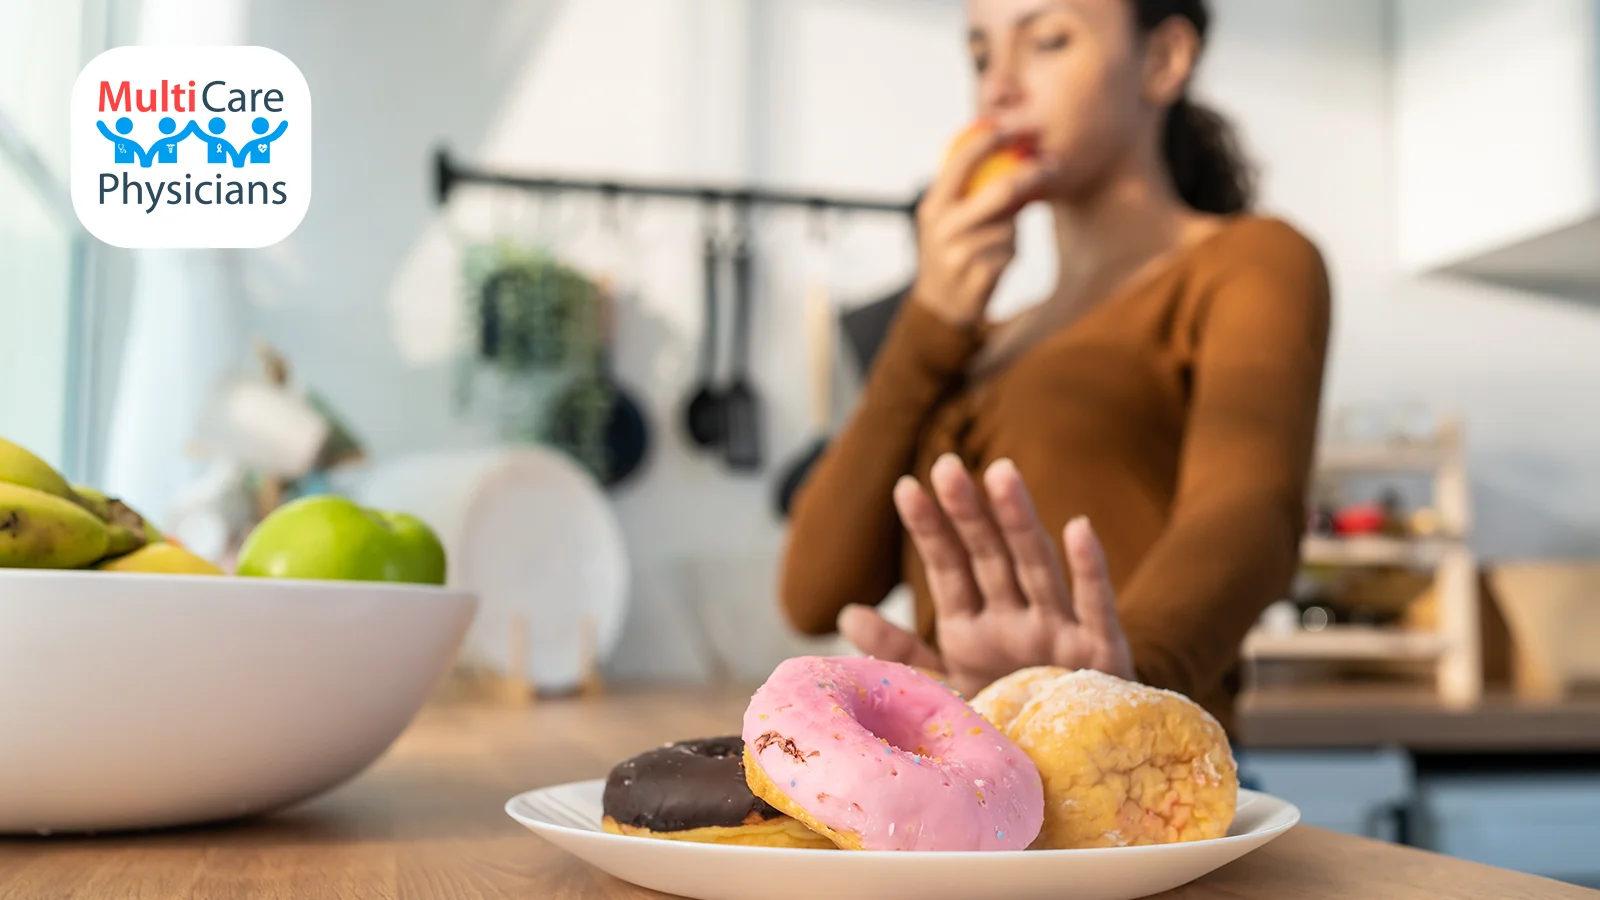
(1345,642)
(1376,551)
(1325,716)
(1383,457)
(1454,644)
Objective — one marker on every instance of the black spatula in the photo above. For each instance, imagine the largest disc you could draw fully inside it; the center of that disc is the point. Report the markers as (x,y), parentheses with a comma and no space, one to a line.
(741,407)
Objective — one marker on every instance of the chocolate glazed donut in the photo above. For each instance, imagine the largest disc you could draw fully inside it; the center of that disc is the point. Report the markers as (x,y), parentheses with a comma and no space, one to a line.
(695,790)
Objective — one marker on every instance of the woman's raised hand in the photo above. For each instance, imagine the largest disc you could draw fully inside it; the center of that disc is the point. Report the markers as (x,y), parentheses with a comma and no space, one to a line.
(1000,596)
(965,241)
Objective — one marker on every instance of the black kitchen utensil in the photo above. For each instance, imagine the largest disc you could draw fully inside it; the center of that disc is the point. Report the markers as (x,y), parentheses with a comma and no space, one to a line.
(703,415)
(626,434)
(865,327)
(741,406)
(819,343)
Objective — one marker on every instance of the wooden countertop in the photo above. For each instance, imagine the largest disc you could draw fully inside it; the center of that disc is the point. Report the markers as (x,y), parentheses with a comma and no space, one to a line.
(427,822)
(1350,716)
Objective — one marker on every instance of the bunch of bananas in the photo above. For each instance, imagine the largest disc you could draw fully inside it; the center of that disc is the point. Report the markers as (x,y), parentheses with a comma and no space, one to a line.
(47,523)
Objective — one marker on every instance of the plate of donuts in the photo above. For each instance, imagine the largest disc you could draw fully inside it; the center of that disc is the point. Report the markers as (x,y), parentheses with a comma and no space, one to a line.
(853,777)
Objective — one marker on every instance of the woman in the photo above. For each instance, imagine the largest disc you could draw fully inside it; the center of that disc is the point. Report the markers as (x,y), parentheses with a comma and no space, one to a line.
(1167,389)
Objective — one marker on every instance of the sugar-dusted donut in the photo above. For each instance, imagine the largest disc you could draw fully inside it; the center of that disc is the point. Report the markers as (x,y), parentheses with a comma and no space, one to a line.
(881,756)
(1003,699)
(695,791)
(1123,764)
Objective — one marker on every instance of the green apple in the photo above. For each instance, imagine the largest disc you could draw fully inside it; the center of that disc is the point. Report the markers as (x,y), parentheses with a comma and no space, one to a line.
(327,536)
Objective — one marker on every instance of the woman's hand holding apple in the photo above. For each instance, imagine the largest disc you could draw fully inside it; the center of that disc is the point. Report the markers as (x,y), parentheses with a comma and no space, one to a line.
(966,233)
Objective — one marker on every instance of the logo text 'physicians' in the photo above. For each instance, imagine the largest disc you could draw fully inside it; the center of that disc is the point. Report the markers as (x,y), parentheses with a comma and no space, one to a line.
(220,159)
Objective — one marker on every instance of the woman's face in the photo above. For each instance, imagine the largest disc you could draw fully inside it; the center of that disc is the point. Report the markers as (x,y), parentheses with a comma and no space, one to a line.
(1067,74)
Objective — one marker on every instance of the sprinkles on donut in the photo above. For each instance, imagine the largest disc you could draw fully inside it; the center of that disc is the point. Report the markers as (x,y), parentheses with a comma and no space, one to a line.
(857,753)
(869,754)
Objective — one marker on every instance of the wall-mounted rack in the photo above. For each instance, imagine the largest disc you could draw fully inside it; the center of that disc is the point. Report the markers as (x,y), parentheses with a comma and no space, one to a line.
(449,174)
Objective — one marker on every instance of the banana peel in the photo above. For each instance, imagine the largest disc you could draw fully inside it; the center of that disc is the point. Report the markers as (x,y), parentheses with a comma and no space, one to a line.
(135,543)
(20,466)
(128,529)
(47,522)
(123,540)
(161,558)
(40,530)
(92,500)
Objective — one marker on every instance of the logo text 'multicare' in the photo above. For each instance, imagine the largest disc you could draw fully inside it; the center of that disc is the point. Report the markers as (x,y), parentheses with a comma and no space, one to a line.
(175,97)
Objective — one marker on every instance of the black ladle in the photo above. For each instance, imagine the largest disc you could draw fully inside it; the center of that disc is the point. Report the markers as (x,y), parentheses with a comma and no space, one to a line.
(741,407)
(704,418)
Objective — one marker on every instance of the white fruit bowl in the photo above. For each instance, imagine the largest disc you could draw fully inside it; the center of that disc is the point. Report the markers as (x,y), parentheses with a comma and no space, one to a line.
(131,701)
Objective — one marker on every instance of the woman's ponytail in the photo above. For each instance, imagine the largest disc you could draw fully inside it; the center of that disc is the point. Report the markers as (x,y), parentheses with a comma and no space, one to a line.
(1199,146)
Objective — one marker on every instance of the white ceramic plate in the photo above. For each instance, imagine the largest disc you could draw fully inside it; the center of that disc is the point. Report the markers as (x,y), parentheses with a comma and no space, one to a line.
(568,815)
(534,536)
(141,701)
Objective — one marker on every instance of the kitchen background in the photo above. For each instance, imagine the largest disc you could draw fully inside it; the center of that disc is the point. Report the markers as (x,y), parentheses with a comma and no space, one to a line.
(1442,153)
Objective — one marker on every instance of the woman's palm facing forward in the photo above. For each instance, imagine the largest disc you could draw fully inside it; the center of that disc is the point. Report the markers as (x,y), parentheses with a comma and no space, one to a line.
(1001,600)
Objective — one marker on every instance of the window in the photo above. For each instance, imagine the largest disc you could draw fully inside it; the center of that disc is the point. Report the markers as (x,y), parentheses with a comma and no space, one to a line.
(43,45)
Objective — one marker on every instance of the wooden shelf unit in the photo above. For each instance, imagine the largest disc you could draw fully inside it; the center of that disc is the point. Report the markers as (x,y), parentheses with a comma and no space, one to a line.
(1423,553)
(1384,457)
(1454,645)
(1345,642)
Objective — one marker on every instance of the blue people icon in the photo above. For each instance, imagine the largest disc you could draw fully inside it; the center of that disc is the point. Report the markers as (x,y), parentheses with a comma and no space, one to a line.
(166,151)
(218,150)
(167,148)
(126,150)
(260,149)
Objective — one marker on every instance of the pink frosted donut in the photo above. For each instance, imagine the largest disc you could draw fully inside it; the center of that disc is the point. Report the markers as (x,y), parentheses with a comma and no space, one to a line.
(877,755)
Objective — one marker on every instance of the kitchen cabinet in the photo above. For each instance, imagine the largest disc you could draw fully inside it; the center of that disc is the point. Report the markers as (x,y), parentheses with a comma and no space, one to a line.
(1509,783)
(1358,792)
(1497,140)
(1545,823)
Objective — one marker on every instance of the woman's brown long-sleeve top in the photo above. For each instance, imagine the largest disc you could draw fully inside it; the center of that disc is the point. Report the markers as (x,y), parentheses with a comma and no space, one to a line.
(1180,416)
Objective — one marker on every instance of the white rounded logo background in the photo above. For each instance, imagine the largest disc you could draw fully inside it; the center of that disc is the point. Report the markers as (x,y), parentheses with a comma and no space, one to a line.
(255,162)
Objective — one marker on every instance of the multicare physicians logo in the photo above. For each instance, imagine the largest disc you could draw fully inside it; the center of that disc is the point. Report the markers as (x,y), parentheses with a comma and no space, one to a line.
(191,147)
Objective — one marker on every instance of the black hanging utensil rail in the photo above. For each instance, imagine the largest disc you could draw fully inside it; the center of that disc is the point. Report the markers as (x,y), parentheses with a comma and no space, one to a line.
(449,174)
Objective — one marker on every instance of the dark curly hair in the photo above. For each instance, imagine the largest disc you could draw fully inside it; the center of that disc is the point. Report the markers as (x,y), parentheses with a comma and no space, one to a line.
(1200,147)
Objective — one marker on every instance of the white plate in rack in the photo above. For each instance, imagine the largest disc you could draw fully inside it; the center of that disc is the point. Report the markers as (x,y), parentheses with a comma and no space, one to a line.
(568,815)
(535,537)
